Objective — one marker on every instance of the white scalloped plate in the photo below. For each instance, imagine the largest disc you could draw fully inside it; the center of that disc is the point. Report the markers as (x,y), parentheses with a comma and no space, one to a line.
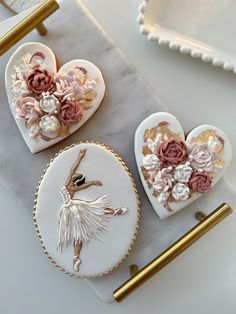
(202,28)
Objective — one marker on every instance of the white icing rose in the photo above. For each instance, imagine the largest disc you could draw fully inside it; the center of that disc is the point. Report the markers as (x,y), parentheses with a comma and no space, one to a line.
(49,103)
(163,197)
(183,173)
(49,124)
(151,162)
(89,86)
(180,192)
(34,130)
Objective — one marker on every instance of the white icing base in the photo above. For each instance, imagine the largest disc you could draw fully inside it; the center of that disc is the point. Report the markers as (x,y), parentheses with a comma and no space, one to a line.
(176,127)
(98,257)
(50,60)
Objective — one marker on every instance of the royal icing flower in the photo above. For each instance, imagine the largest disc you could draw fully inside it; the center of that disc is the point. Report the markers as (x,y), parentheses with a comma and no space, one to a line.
(183,172)
(173,152)
(49,124)
(34,130)
(49,103)
(39,81)
(163,196)
(201,157)
(70,112)
(151,162)
(162,179)
(20,88)
(200,182)
(154,145)
(89,86)
(28,108)
(180,192)
(69,85)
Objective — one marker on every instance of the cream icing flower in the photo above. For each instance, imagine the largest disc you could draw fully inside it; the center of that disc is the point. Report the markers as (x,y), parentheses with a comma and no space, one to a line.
(20,88)
(49,124)
(49,103)
(201,157)
(183,172)
(163,196)
(154,145)
(151,162)
(89,86)
(34,130)
(162,180)
(180,192)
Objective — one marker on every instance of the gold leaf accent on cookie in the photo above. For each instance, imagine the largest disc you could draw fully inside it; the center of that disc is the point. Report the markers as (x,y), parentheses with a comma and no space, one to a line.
(86,104)
(155,193)
(150,134)
(90,96)
(146,151)
(203,137)
(219,162)
(146,176)
(165,131)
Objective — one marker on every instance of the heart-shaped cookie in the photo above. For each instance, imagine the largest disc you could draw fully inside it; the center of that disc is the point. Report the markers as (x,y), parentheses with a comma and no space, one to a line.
(176,171)
(49,105)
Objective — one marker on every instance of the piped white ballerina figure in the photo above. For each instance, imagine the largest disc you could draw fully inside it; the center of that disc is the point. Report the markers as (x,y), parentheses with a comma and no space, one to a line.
(81,220)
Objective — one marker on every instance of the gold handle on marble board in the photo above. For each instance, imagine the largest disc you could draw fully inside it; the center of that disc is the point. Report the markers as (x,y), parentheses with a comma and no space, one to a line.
(140,277)
(33,20)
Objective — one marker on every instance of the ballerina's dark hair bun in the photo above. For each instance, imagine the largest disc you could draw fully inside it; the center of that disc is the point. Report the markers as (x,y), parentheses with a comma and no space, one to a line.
(79,180)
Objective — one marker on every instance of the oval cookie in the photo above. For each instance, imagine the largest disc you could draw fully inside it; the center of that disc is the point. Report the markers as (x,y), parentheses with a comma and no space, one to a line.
(87,210)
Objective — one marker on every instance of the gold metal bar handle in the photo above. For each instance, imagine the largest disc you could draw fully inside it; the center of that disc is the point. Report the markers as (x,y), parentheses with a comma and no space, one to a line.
(24,27)
(172,252)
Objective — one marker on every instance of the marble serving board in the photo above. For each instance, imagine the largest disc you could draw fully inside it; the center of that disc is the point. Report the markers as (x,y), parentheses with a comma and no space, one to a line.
(127,102)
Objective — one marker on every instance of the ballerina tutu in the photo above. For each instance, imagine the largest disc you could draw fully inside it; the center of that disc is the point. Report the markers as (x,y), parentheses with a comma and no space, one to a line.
(81,220)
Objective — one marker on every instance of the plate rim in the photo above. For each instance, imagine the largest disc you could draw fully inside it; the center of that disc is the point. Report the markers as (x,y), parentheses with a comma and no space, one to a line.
(185,49)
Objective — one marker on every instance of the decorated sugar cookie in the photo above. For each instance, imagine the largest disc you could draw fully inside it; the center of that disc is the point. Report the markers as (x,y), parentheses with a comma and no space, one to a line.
(175,170)
(49,105)
(87,210)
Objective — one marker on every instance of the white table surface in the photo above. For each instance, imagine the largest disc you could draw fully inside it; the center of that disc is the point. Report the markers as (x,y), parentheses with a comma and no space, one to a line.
(181,82)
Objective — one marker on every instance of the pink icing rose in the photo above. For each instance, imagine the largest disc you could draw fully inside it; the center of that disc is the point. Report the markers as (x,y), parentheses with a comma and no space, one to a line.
(200,182)
(173,152)
(39,81)
(162,180)
(201,157)
(69,85)
(70,112)
(28,108)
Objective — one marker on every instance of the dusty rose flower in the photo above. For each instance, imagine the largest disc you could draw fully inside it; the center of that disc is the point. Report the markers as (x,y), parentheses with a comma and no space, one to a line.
(201,157)
(70,112)
(200,182)
(28,108)
(172,152)
(39,81)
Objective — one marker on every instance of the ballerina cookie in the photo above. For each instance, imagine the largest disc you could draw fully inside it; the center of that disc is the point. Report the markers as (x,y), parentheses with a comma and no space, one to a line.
(87,210)
(175,170)
(48,105)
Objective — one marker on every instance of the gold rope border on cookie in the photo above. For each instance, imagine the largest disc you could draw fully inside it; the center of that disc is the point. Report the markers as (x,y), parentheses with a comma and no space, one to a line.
(137,202)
